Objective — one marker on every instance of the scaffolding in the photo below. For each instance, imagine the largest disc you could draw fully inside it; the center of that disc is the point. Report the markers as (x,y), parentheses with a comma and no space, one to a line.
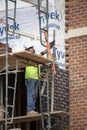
(21,59)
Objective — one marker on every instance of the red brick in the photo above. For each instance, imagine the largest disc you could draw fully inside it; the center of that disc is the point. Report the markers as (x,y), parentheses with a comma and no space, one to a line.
(77,51)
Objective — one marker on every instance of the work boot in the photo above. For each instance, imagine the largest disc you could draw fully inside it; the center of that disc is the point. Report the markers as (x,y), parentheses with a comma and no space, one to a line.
(32,113)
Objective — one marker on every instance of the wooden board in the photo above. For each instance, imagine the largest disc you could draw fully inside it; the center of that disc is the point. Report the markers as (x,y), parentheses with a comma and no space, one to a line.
(35,117)
(32,57)
(59,113)
(24,59)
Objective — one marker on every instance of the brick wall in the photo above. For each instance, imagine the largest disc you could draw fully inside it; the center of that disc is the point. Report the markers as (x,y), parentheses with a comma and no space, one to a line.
(61,97)
(78,83)
(77,62)
(3,48)
(76,13)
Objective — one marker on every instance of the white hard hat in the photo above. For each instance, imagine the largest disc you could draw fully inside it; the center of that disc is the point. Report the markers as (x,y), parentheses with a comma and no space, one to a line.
(28,47)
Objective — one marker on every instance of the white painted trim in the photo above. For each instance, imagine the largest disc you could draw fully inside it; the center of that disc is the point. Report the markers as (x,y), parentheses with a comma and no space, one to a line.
(76,32)
(25,34)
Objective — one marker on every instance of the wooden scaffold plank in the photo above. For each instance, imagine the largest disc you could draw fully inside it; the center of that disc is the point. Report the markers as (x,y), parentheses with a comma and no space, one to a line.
(34,117)
(24,59)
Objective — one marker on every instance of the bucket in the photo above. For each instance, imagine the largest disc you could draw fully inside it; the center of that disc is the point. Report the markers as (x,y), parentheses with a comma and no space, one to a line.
(1,112)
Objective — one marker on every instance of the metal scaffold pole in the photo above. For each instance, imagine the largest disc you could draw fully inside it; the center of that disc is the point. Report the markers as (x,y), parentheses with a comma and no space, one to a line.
(6,97)
(7,88)
(44,32)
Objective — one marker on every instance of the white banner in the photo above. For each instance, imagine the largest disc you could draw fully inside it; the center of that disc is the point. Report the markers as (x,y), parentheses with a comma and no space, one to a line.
(60,33)
(27,22)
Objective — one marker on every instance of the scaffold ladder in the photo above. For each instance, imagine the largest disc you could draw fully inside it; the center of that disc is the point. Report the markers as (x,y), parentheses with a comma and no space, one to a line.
(9,21)
(44,32)
(44,91)
(9,105)
(13,90)
(11,17)
(43,28)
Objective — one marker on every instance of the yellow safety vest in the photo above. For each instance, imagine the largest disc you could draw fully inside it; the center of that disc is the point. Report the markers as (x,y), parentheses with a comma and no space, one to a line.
(31,72)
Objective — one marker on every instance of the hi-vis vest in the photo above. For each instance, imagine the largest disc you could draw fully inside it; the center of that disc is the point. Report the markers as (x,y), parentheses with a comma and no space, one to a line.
(31,72)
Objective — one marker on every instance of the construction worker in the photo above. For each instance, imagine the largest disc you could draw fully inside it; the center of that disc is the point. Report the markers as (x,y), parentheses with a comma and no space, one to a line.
(32,83)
